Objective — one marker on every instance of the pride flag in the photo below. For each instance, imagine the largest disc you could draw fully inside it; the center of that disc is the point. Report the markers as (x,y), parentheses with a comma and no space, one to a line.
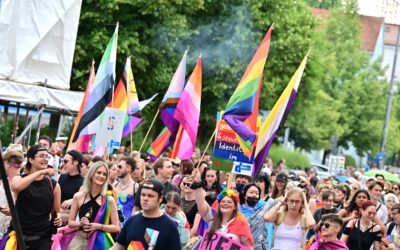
(242,102)
(187,113)
(277,117)
(101,93)
(167,110)
(82,144)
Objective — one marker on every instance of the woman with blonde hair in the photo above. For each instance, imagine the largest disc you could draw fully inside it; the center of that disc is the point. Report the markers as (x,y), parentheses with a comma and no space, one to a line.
(291,222)
(97,211)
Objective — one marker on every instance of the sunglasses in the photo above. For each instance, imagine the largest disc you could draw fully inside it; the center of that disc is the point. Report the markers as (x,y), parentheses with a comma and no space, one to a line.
(326,225)
(186,184)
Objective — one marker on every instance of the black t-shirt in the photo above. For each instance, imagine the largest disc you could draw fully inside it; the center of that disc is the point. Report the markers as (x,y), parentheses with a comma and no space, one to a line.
(161,233)
(69,184)
(168,186)
(34,205)
(190,209)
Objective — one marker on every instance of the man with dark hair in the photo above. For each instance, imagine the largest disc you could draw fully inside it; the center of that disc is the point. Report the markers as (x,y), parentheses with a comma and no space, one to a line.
(71,181)
(331,225)
(328,198)
(380,177)
(163,169)
(241,181)
(126,188)
(340,196)
(45,141)
(149,229)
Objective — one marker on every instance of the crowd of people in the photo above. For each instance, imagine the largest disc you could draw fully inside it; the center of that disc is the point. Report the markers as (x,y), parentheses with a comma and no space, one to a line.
(126,201)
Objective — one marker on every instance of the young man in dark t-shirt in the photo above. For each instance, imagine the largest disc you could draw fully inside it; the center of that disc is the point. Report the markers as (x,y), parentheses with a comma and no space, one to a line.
(71,181)
(149,229)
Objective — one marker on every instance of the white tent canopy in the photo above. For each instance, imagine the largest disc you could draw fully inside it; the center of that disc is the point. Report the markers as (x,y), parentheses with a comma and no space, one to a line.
(37,95)
(38,41)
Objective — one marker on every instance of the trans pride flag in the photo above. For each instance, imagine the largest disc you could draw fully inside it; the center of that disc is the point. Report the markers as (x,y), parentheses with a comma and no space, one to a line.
(242,102)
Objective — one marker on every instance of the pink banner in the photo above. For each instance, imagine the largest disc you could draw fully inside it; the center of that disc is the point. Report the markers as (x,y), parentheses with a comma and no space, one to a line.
(220,242)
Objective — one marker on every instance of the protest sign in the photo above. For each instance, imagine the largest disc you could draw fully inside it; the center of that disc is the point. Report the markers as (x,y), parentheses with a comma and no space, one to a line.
(228,154)
(220,242)
(111,128)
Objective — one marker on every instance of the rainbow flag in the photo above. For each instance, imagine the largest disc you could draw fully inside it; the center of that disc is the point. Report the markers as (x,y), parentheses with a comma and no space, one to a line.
(277,117)
(82,143)
(242,102)
(188,114)
(99,239)
(101,93)
(167,110)
(158,145)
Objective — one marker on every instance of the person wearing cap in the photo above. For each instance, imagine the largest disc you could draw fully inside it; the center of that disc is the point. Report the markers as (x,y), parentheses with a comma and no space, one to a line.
(37,197)
(280,186)
(12,164)
(149,228)
(71,181)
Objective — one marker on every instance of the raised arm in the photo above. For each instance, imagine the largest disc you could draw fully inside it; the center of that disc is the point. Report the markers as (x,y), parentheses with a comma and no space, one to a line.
(270,215)
(18,184)
(202,205)
(310,222)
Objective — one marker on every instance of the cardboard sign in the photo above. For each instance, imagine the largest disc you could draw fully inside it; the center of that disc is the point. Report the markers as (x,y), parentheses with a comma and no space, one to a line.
(111,128)
(228,155)
(220,242)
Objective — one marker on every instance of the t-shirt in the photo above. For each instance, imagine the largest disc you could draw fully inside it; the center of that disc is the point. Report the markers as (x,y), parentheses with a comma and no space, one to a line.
(69,184)
(149,233)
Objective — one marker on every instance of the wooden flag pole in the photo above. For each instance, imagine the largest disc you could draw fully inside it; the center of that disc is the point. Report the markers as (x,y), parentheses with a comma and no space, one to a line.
(148,131)
(208,144)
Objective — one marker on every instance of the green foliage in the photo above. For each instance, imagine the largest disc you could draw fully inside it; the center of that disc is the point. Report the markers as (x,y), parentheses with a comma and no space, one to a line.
(292,158)
(6,129)
(350,161)
(325,4)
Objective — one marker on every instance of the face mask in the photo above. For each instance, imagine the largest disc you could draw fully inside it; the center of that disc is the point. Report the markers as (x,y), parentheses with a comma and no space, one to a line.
(239,187)
(252,201)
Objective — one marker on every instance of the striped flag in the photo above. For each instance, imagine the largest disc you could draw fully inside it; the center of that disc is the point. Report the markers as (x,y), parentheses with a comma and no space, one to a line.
(82,144)
(187,114)
(167,110)
(242,102)
(277,117)
(101,93)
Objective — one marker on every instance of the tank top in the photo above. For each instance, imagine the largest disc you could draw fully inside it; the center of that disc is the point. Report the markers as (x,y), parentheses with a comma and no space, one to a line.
(288,237)
(90,208)
(33,206)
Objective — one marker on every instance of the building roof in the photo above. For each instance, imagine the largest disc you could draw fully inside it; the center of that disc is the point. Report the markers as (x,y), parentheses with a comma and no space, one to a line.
(390,34)
(370,28)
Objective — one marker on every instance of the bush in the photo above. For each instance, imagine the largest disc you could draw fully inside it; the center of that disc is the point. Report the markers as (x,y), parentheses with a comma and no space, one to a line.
(292,158)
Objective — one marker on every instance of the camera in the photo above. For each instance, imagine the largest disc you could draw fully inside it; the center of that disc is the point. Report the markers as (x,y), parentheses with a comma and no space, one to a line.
(197,184)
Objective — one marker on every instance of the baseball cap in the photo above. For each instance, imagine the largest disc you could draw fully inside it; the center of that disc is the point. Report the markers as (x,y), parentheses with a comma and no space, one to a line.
(154,185)
(282,177)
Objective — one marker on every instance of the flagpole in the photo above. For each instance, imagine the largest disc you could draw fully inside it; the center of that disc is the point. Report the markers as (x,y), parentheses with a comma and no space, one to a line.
(208,144)
(179,134)
(148,131)
(131,134)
